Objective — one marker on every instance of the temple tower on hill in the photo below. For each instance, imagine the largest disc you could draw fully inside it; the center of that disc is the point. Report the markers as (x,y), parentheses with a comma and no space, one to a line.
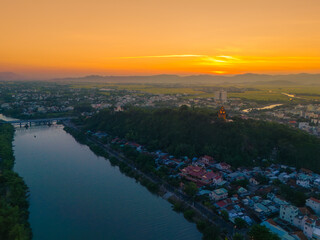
(222,113)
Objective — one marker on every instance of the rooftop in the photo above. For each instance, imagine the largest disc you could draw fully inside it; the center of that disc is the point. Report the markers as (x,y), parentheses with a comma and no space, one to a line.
(220,191)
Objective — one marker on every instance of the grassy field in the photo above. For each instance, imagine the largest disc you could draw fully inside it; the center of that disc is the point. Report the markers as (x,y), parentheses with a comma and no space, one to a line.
(269,93)
(144,88)
(261,93)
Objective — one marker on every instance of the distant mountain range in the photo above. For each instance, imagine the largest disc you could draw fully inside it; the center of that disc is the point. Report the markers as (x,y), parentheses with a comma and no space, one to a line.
(248,78)
(9,76)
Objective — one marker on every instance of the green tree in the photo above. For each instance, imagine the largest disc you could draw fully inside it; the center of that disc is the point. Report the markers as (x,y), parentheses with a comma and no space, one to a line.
(191,189)
(225,215)
(298,198)
(243,183)
(258,232)
(84,107)
(240,223)
(276,182)
(13,192)
(238,236)
(262,179)
(189,214)
(211,233)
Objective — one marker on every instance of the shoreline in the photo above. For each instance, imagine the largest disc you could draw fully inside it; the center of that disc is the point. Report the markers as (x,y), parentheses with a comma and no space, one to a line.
(14,194)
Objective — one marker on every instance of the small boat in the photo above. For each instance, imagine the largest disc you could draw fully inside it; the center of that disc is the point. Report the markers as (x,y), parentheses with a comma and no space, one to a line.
(35,136)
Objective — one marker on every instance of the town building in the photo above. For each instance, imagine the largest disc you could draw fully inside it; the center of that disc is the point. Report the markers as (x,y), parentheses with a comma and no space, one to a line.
(288,213)
(219,194)
(314,204)
(200,175)
(276,229)
(223,166)
(220,96)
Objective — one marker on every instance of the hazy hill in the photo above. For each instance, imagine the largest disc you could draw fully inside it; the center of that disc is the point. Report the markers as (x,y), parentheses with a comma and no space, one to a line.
(9,76)
(248,78)
(289,79)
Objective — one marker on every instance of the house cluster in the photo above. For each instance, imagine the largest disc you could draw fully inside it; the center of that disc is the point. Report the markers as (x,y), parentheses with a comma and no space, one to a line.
(212,178)
(258,202)
(312,129)
(304,117)
(48,99)
(247,193)
(62,98)
(304,178)
(220,183)
(294,222)
(136,98)
(310,112)
(297,223)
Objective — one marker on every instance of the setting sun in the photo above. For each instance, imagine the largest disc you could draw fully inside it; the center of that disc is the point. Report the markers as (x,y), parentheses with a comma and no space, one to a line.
(57,38)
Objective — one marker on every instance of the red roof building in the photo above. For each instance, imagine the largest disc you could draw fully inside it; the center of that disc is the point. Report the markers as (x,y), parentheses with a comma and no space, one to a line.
(199,175)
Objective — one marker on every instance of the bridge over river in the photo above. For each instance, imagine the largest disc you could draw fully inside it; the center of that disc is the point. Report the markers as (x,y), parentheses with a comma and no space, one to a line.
(28,122)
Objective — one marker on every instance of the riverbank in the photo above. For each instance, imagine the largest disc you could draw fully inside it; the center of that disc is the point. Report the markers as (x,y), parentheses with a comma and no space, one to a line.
(209,223)
(14,205)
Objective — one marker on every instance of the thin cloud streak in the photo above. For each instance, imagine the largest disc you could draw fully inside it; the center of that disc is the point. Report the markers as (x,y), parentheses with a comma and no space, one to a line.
(167,56)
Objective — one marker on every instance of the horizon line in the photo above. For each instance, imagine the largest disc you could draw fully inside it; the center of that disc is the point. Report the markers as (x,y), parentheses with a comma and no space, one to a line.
(18,76)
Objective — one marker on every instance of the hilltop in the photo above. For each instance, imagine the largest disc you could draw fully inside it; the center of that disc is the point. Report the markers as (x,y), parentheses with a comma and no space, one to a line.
(188,132)
(9,76)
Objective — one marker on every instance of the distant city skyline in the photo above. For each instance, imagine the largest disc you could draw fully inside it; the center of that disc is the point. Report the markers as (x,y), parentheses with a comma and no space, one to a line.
(47,39)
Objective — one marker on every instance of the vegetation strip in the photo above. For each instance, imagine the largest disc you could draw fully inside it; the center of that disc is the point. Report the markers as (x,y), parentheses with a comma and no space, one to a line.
(14,192)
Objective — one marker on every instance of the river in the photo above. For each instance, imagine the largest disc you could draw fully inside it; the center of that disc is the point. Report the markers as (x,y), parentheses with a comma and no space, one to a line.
(76,195)
(262,108)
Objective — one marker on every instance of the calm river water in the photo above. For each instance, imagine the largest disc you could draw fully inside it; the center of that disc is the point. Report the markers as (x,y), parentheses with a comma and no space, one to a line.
(76,195)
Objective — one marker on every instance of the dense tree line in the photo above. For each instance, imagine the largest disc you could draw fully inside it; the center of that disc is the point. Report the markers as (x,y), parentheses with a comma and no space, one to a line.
(195,132)
(13,192)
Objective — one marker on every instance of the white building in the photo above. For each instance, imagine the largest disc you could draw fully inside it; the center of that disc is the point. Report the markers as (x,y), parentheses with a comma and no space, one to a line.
(219,194)
(118,108)
(316,233)
(314,204)
(288,213)
(306,224)
(5,105)
(298,221)
(253,181)
(303,125)
(220,96)
(303,183)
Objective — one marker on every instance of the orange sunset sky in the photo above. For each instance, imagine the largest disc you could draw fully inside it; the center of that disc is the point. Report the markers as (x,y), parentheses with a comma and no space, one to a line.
(55,38)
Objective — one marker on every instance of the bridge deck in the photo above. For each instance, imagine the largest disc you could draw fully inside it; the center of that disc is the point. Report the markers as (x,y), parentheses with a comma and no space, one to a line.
(38,120)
